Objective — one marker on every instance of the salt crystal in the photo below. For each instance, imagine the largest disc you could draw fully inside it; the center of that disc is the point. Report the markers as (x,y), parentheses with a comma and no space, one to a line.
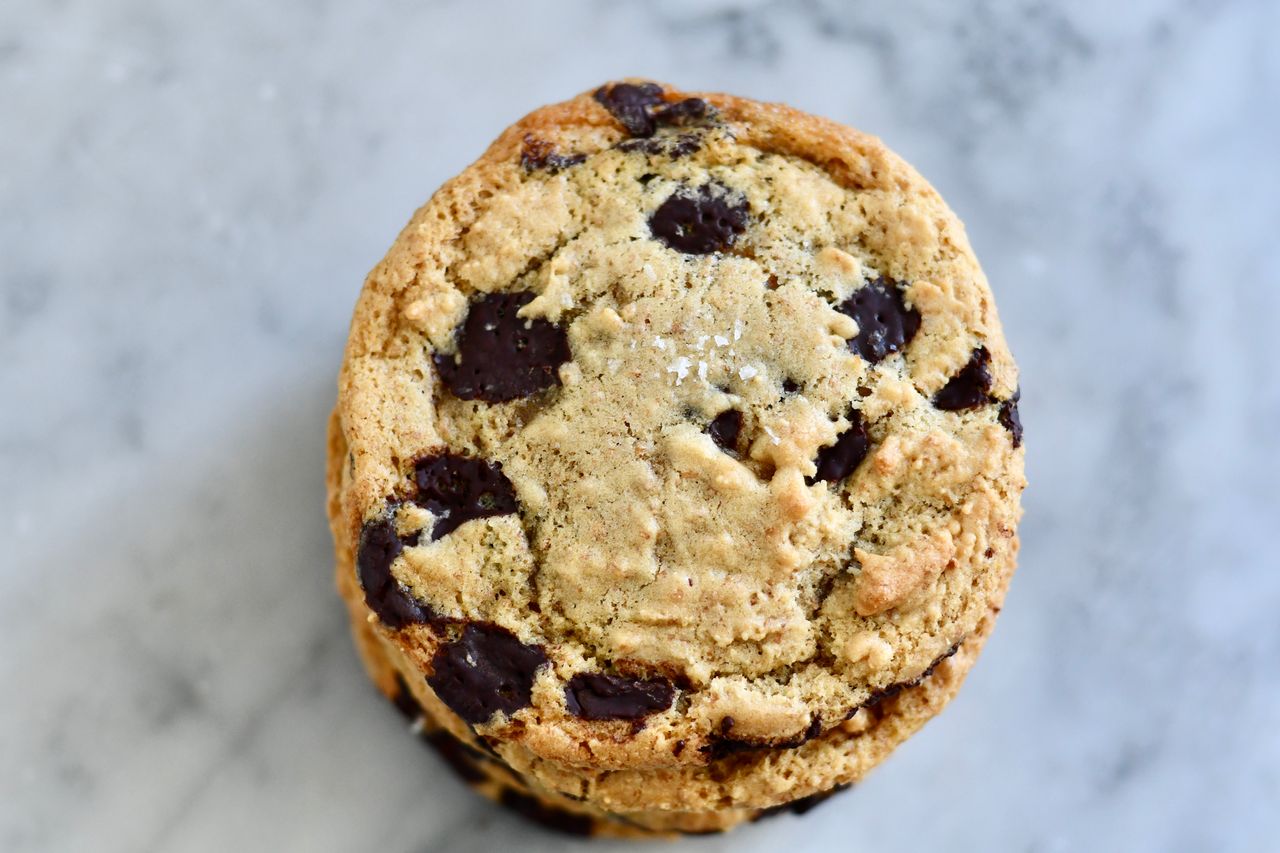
(747,372)
(680,367)
(702,370)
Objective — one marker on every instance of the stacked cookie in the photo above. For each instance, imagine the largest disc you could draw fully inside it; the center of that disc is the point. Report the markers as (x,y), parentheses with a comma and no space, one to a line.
(675,471)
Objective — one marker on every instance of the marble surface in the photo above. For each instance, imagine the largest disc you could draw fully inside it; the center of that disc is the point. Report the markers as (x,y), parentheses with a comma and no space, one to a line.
(190,195)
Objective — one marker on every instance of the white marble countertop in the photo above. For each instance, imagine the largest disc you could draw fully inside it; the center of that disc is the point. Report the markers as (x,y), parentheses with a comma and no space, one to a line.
(189,201)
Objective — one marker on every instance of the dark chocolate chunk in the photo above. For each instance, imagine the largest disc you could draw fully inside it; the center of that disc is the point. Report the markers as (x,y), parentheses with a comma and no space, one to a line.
(885,323)
(500,356)
(723,746)
(539,154)
(645,146)
(595,696)
(386,596)
(547,815)
(457,489)
(789,386)
(815,729)
(675,147)
(969,388)
(802,805)
(1009,418)
(682,113)
(885,693)
(724,429)
(641,109)
(841,459)
(700,221)
(462,759)
(485,671)
(682,145)
(629,103)
(405,702)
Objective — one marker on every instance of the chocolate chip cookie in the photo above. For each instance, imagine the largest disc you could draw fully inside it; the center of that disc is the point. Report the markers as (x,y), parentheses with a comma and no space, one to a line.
(677,460)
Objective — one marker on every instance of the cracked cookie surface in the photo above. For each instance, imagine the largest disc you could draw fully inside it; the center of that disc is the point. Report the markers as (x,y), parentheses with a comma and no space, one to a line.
(689,435)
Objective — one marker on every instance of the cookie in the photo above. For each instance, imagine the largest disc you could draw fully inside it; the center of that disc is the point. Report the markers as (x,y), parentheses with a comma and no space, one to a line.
(475,763)
(676,448)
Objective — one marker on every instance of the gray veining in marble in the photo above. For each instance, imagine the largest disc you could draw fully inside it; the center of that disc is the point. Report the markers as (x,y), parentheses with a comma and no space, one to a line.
(191,193)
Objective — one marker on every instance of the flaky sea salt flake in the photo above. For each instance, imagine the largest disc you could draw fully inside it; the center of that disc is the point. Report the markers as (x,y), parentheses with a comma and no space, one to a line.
(680,367)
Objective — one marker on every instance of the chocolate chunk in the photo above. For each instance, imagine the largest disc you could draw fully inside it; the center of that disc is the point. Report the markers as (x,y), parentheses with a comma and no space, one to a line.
(700,221)
(645,146)
(802,805)
(461,758)
(405,702)
(723,746)
(485,671)
(815,729)
(500,356)
(674,147)
(595,696)
(386,596)
(789,386)
(841,459)
(885,693)
(539,154)
(629,103)
(683,113)
(457,489)
(724,429)
(1009,418)
(641,109)
(885,323)
(969,388)
(682,146)
(549,816)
